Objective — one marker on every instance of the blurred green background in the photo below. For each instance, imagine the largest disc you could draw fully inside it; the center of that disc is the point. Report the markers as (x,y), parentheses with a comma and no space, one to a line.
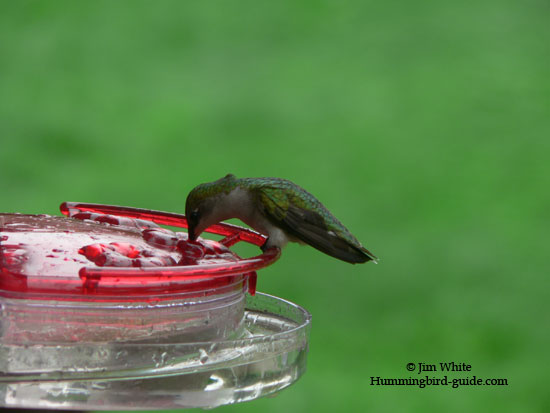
(422,125)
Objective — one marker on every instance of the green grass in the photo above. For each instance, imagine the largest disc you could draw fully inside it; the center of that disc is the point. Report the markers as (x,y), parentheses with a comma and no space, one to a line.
(422,125)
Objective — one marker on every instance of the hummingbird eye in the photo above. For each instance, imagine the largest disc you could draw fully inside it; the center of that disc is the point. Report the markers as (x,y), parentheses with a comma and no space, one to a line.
(194,215)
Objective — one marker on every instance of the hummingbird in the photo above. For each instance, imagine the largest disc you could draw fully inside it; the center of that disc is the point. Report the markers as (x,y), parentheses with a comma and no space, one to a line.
(274,207)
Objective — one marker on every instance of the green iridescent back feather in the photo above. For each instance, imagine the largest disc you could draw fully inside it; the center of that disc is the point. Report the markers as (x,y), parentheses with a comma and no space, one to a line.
(283,194)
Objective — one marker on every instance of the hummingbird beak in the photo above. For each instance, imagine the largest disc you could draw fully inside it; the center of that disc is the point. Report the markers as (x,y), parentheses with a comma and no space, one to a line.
(191,232)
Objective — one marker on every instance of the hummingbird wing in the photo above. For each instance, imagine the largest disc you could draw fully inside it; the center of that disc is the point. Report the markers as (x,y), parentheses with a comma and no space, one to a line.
(301,215)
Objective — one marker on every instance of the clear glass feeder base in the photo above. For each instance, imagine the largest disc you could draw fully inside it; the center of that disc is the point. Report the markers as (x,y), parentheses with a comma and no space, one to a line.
(269,356)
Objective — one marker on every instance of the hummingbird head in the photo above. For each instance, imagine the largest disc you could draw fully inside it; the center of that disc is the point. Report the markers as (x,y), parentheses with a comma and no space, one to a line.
(203,206)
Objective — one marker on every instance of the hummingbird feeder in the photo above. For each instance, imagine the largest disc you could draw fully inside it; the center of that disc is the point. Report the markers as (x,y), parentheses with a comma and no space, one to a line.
(105,309)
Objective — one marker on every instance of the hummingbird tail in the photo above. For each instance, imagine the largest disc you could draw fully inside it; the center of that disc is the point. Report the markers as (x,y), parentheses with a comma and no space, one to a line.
(341,249)
(370,255)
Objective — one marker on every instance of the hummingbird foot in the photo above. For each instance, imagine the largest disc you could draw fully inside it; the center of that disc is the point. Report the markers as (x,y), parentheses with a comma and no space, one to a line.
(267,248)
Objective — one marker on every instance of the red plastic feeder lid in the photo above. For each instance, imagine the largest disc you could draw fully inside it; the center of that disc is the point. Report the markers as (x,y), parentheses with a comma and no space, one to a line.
(107,250)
